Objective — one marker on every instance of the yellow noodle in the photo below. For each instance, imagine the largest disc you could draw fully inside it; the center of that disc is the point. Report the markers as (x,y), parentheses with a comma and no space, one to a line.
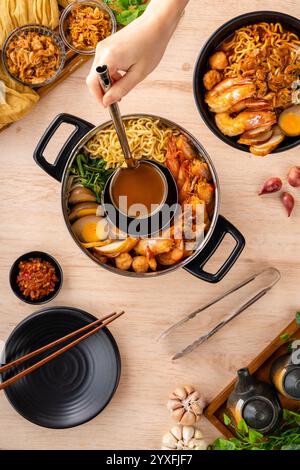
(148,138)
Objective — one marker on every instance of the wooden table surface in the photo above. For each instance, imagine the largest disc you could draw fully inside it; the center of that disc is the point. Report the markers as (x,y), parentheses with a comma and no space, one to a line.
(31,219)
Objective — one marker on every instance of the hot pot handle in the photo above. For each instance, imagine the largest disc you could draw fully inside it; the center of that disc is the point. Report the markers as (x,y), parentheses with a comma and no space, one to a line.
(223,227)
(57,168)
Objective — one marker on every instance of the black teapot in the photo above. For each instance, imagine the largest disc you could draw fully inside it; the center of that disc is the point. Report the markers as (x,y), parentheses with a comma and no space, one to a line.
(285,374)
(256,402)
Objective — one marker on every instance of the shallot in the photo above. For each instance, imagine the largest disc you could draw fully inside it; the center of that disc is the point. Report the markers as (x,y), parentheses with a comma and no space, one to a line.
(272,185)
(288,202)
(294,176)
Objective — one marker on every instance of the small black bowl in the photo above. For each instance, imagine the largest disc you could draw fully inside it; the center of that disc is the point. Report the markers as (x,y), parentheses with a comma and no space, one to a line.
(288,22)
(14,271)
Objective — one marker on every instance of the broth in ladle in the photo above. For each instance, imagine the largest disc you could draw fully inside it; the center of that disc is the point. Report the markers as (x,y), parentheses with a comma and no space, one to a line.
(144,186)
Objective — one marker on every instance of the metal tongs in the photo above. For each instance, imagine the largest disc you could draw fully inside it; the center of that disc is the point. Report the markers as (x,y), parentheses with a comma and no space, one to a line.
(269,278)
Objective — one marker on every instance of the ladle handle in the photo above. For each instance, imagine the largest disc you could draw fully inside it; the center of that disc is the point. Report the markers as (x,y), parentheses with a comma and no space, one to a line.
(114,110)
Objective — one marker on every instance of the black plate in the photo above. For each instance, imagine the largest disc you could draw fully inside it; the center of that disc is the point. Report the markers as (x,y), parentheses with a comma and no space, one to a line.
(288,22)
(14,271)
(74,387)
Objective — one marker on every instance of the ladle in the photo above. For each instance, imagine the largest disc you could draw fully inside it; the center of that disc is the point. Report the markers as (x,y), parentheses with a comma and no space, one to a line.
(114,110)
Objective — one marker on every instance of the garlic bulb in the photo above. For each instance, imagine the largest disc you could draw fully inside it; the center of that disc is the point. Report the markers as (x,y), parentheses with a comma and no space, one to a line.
(183,438)
(186,405)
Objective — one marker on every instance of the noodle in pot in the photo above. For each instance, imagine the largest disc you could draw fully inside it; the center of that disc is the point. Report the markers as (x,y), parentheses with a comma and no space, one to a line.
(147,138)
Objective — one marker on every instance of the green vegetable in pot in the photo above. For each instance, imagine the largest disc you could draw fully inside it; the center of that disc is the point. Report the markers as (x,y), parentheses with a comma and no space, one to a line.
(91,173)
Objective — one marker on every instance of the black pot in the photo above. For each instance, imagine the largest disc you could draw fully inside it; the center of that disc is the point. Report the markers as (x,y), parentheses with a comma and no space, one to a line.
(220,227)
(222,33)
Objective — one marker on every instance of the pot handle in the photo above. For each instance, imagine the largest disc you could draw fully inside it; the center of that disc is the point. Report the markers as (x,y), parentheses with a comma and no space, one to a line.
(223,227)
(56,169)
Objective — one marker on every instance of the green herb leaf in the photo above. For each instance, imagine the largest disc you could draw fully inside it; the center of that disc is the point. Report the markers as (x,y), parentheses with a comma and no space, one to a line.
(291,417)
(254,436)
(291,447)
(127,17)
(298,318)
(127,11)
(285,337)
(226,420)
(286,414)
(242,426)
(286,436)
(223,444)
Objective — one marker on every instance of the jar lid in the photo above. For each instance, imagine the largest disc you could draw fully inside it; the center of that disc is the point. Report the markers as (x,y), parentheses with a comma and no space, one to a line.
(258,413)
(292,382)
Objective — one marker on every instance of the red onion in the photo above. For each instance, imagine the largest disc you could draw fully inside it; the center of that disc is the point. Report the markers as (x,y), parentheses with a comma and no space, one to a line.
(294,176)
(272,185)
(288,201)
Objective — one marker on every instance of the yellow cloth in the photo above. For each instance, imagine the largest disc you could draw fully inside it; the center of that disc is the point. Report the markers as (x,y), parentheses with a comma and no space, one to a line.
(19,100)
(14,13)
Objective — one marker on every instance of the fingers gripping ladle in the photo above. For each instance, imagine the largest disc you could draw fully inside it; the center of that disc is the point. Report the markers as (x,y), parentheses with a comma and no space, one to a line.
(114,110)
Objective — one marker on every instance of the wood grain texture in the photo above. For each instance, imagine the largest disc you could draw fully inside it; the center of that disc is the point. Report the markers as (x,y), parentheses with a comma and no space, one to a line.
(32,220)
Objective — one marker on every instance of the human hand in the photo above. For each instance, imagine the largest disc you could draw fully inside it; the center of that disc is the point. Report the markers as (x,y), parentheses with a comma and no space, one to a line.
(132,53)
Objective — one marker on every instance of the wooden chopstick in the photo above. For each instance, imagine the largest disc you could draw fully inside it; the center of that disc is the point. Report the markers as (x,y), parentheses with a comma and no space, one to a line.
(101,322)
(34,353)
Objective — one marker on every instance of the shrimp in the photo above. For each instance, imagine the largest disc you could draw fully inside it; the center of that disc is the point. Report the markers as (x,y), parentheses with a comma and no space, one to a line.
(198,207)
(151,259)
(182,175)
(200,170)
(224,85)
(229,92)
(185,191)
(244,121)
(156,246)
(172,160)
(187,152)
(205,192)
(173,256)
(152,263)
(252,104)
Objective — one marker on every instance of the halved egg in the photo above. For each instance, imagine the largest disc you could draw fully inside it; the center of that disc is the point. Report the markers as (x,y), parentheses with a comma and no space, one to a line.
(81,194)
(289,121)
(82,209)
(91,229)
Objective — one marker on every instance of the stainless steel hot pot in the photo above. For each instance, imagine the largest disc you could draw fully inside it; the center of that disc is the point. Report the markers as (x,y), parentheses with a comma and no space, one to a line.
(220,226)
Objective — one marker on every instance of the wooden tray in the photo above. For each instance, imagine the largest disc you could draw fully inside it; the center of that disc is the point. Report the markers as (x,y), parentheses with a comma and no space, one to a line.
(260,368)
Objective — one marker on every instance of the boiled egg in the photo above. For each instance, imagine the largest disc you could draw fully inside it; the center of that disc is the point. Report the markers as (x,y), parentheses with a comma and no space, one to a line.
(82,209)
(81,194)
(91,228)
(289,121)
